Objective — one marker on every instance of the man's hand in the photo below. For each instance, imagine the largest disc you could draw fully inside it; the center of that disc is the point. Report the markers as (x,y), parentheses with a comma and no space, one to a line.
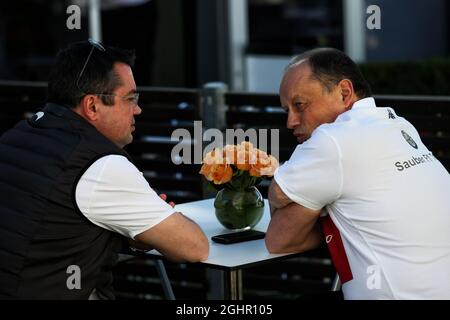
(164,197)
(138,246)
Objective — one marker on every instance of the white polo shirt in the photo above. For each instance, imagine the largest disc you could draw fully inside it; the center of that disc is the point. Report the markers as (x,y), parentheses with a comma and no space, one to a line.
(114,195)
(388,203)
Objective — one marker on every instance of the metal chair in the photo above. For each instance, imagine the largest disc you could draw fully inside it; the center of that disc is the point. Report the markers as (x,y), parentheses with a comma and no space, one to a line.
(336,286)
(167,286)
(161,269)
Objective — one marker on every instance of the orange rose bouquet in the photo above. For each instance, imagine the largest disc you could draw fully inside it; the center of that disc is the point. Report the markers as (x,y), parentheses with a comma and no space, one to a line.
(235,170)
(238,167)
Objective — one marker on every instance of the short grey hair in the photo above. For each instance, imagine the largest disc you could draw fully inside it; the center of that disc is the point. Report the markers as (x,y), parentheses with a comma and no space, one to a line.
(329,66)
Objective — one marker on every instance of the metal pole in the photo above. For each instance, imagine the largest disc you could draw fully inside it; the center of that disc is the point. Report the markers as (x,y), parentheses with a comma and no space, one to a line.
(238,31)
(235,283)
(355,29)
(95,20)
(213,107)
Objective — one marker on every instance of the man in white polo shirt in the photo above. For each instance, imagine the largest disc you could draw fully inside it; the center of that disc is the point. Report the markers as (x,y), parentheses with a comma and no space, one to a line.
(362,180)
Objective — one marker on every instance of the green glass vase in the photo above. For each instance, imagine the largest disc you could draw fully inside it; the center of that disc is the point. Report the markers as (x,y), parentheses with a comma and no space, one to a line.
(239,210)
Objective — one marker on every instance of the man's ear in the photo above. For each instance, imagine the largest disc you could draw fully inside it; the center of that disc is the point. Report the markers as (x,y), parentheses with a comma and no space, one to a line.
(347,93)
(88,107)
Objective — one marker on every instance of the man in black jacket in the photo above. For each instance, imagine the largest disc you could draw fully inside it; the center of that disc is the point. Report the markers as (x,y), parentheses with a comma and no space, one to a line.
(70,194)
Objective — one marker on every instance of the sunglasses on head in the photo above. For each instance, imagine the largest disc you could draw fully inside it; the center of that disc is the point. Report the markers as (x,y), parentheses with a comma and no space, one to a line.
(95,45)
(132,98)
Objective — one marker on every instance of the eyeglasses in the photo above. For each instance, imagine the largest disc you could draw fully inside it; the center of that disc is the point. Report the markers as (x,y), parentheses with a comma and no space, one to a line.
(95,45)
(132,98)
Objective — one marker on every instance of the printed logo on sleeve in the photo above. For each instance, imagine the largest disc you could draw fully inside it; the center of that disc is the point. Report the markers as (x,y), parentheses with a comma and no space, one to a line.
(410,140)
(391,114)
(39,115)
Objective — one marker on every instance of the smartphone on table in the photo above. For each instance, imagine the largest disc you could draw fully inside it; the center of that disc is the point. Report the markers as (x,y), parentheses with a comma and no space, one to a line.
(240,236)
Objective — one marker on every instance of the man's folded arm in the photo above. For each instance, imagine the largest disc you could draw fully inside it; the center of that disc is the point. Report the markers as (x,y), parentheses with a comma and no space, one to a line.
(277,198)
(293,227)
(178,238)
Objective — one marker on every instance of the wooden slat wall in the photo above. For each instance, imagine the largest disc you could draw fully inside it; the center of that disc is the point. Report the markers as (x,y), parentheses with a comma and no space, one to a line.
(138,279)
(163,111)
(20,100)
(430,116)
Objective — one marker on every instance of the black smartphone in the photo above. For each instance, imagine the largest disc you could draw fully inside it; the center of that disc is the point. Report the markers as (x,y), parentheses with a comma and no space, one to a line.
(240,236)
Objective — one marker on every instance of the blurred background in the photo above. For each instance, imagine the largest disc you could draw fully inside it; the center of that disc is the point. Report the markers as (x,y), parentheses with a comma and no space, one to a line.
(243,43)
(220,62)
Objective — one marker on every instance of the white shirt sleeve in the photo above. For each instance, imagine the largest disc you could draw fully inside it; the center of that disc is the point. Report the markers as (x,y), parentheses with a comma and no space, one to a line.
(114,195)
(312,177)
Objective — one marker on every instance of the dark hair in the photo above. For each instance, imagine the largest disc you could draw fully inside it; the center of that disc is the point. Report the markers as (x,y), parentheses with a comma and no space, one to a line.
(329,66)
(98,75)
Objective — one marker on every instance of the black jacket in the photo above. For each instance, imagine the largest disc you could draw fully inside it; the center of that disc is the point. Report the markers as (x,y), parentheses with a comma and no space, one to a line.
(43,234)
